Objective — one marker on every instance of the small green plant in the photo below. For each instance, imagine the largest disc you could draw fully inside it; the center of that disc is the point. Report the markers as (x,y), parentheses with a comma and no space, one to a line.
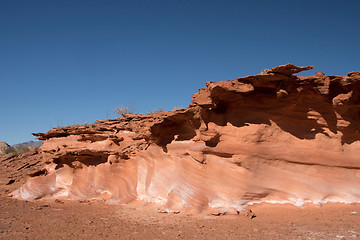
(264,71)
(123,110)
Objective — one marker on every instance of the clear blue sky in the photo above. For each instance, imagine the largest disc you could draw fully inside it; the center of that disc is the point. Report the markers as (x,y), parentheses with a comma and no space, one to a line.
(64,62)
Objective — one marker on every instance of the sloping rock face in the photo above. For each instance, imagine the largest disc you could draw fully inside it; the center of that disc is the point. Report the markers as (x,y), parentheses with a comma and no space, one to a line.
(274,137)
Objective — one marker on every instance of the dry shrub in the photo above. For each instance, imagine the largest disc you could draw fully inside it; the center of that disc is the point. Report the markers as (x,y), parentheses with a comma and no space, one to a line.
(123,110)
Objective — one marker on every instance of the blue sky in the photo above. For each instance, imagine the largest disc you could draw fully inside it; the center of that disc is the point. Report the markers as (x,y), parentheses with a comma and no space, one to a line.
(65,62)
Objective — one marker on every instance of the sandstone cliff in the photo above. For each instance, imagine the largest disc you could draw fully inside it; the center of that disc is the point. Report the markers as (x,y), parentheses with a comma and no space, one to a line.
(275,137)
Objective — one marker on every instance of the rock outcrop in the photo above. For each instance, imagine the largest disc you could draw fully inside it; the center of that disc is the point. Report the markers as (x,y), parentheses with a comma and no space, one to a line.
(275,137)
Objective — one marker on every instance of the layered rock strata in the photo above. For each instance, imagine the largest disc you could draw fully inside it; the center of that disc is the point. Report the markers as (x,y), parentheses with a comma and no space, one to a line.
(274,137)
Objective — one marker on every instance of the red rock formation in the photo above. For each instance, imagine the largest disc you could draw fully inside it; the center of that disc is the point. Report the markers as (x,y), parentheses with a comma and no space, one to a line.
(274,137)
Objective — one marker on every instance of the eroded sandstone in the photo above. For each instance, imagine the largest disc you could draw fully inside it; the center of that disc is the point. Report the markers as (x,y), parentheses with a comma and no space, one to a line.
(275,137)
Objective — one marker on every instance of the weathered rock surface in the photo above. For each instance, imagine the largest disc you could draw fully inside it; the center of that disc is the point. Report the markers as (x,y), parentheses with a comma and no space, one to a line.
(275,137)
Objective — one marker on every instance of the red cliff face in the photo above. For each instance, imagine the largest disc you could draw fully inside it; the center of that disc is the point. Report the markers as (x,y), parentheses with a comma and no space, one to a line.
(274,137)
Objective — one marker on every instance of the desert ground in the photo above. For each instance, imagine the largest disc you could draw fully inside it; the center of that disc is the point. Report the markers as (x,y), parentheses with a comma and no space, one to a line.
(59,219)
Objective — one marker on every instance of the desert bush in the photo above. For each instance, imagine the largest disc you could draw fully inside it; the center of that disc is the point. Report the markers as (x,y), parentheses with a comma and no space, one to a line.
(155,111)
(177,108)
(264,71)
(73,125)
(123,110)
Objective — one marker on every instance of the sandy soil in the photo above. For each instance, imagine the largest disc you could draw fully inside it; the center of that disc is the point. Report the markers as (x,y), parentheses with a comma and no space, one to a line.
(57,219)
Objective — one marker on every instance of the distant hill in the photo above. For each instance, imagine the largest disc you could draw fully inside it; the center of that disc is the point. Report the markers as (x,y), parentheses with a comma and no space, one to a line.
(4,148)
(19,148)
(29,144)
